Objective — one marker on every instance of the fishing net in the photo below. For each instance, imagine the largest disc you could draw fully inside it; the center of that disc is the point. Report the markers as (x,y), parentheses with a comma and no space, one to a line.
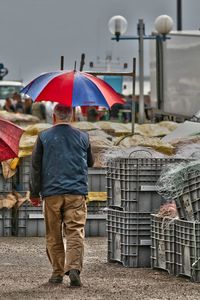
(132,152)
(174,177)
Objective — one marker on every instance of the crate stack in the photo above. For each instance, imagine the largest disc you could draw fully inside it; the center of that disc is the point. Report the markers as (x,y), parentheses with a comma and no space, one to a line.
(187,229)
(6,186)
(27,220)
(132,198)
(96,186)
(176,242)
(163,243)
(24,174)
(96,219)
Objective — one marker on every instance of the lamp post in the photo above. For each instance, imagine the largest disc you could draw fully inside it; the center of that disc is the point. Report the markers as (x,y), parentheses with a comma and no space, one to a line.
(117,26)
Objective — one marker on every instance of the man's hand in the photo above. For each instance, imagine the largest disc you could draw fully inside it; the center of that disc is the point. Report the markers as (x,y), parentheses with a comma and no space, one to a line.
(36,201)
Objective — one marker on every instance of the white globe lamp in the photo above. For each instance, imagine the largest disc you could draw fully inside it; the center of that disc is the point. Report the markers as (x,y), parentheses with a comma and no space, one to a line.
(117,25)
(163,24)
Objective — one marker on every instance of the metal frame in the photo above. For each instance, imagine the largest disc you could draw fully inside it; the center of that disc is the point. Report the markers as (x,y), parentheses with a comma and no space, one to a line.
(130,74)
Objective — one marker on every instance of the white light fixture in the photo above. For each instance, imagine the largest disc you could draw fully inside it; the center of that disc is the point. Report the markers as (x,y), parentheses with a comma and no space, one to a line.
(117,25)
(163,24)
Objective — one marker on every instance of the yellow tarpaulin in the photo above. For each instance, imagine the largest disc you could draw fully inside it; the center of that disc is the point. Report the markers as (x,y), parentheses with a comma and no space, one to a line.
(154,143)
(97,196)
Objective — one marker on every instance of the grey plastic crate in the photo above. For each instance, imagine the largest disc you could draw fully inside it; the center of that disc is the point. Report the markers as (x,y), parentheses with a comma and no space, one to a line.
(163,243)
(187,249)
(6,185)
(129,238)
(97,180)
(5,222)
(96,207)
(96,177)
(188,203)
(29,221)
(95,225)
(138,170)
(23,174)
(144,200)
(131,183)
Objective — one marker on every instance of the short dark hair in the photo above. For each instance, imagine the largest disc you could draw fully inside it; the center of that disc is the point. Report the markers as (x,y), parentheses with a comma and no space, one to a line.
(63,112)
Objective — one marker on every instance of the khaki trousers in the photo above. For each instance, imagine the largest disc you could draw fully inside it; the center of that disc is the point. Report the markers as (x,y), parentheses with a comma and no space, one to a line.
(68,212)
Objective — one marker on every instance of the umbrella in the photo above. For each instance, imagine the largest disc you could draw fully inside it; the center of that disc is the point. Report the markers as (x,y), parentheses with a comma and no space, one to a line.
(10,135)
(72,88)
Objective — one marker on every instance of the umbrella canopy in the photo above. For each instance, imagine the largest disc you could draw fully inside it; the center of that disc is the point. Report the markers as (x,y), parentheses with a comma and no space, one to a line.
(10,135)
(72,88)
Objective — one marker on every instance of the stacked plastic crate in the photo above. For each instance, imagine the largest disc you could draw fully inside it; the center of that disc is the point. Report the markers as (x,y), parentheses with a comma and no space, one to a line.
(187,229)
(6,186)
(96,219)
(27,220)
(163,243)
(132,199)
(176,242)
(96,185)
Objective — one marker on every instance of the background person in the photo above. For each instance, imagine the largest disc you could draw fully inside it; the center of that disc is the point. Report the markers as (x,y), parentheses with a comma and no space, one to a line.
(39,111)
(28,106)
(114,111)
(60,160)
(92,114)
(19,107)
(49,106)
(8,106)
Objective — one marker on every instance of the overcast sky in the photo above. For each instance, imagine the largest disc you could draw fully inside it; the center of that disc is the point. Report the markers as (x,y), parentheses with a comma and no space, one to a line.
(35,33)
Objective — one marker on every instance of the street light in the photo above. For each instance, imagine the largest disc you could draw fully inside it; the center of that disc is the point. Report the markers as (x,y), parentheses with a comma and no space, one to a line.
(163,24)
(117,26)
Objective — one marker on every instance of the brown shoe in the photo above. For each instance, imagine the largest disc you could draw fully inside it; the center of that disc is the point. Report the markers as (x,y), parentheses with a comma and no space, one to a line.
(56,279)
(74,277)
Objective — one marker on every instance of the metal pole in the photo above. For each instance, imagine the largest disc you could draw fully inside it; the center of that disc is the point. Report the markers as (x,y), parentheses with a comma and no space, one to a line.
(110,73)
(160,72)
(179,15)
(133,97)
(62,62)
(82,62)
(141,70)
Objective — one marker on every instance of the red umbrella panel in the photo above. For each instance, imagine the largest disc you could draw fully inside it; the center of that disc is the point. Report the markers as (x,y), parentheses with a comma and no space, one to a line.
(10,135)
(72,88)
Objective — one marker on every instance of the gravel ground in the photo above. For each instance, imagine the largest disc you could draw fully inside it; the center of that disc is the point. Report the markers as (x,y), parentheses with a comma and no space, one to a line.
(24,273)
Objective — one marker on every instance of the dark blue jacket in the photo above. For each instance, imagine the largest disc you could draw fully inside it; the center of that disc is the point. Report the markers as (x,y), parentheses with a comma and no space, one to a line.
(60,161)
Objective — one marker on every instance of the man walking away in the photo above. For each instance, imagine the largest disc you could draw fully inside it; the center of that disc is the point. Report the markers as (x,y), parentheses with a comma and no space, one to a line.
(60,161)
